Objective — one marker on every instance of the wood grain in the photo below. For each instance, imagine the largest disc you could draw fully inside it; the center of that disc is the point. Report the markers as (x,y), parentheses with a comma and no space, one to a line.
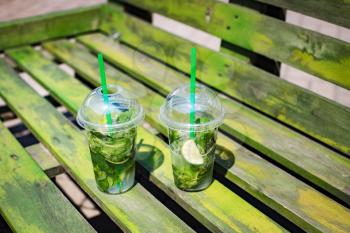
(310,51)
(153,154)
(335,11)
(239,165)
(280,143)
(29,201)
(14,9)
(69,146)
(54,25)
(282,100)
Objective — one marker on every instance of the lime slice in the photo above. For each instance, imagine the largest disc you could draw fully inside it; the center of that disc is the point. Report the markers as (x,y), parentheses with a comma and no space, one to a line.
(191,153)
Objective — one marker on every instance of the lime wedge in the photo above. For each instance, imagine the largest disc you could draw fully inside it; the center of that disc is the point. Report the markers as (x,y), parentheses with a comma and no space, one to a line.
(191,153)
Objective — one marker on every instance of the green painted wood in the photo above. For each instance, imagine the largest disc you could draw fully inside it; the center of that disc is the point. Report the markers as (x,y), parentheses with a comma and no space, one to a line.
(310,51)
(29,201)
(85,64)
(287,102)
(290,197)
(280,143)
(69,146)
(49,26)
(216,216)
(49,70)
(227,211)
(239,165)
(335,11)
(46,161)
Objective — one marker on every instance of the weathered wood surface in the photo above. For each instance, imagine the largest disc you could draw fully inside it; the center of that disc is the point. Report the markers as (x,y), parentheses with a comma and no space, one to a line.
(49,71)
(29,201)
(217,216)
(249,171)
(17,9)
(310,51)
(323,119)
(335,11)
(69,146)
(314,221)
(46,161)
(293,150)
(39,28)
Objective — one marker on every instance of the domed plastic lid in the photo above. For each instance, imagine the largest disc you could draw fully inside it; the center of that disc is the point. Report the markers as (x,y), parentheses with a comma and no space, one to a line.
(125,111)
(175,112)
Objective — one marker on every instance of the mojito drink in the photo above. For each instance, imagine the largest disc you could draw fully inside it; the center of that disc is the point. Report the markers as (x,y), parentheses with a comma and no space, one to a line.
(192,135)
(111,139)
(192,158)
(113,159)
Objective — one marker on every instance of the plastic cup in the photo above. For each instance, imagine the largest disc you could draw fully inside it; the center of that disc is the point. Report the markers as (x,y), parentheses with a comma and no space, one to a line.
(192,155)
(112,146)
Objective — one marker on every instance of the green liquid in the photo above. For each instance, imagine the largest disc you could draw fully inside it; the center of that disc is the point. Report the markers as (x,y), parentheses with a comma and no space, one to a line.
(188,176)
(113,159)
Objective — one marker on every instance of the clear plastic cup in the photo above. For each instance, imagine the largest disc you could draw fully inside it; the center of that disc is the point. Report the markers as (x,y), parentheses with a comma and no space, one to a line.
(192,155)
(112,146)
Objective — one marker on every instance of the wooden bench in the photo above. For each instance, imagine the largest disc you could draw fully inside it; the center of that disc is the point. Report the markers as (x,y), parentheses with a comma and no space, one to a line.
(283,156)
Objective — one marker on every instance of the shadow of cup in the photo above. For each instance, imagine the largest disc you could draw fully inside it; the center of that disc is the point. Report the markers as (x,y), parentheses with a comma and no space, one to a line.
(149,156)
(224,157)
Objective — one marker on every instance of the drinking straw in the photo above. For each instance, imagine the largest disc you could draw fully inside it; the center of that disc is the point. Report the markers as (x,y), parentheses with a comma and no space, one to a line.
(104,87)
(193,91)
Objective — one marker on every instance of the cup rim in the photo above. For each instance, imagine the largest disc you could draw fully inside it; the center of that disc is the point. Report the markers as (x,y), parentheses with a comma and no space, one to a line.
(197,127)
(115,126)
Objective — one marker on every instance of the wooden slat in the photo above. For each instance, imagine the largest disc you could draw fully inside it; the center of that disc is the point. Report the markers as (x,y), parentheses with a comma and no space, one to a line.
(310,51)
(204,206)
(46,161)
(69,146)
(213,220)
(56,75)
(249,171)
(282,144)
(335,11)
(49,26)
(323,119)
(29,201)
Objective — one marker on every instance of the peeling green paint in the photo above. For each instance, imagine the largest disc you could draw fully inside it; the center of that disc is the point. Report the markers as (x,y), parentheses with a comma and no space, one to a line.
(154,154)
(259,33)
(280,99)
(29,201)
(332,218)
(335,11)
(295,151)
(260,178)
(54,25)
(321,67)
(69,146)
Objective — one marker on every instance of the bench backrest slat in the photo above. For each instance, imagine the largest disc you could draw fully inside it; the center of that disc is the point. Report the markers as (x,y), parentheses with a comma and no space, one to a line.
(279,99)
(39,28)
(310,51)
(334,11)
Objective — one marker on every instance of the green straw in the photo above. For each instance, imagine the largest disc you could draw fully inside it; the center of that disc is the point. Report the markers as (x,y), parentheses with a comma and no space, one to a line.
(104,87)
(193,91)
